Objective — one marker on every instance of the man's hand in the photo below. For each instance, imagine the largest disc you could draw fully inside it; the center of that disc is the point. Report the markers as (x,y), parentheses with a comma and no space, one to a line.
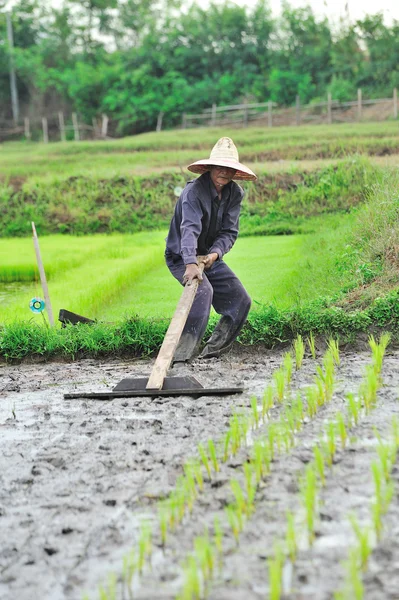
(192,272)
(210,259)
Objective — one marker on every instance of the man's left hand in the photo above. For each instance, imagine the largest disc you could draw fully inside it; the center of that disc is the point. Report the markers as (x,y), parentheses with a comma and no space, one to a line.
(209,260)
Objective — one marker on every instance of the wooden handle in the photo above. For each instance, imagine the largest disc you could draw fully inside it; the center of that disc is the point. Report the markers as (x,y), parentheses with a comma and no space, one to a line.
(172,337)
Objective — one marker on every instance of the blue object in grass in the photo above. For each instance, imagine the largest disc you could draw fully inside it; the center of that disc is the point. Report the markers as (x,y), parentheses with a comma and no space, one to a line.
(37,305)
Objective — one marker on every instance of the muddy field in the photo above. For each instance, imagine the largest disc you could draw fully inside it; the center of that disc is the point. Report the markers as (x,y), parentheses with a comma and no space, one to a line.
(79,477)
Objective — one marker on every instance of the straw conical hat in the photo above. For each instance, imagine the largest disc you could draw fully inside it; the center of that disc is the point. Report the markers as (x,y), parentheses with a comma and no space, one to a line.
(224,154)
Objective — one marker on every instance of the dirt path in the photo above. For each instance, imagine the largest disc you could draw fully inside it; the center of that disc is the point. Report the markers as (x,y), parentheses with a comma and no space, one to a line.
(78,478)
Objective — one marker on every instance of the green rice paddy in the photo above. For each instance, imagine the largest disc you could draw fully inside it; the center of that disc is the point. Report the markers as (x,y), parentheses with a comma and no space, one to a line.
(110,277)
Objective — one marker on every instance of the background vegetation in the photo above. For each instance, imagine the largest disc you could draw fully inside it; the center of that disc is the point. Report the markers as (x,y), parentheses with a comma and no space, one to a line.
(133,59)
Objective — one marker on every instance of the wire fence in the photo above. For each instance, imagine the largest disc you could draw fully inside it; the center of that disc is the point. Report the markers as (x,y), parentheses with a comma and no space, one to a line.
(58,127)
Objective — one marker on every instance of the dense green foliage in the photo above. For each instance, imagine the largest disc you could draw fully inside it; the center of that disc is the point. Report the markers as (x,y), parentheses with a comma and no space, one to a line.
(134,59)
(276,204)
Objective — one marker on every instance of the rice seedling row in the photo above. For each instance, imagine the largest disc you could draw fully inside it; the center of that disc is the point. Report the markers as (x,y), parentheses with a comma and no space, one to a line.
(335,436)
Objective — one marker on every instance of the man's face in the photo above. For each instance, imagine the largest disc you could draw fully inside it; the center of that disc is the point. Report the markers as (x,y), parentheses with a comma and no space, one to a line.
(221,176)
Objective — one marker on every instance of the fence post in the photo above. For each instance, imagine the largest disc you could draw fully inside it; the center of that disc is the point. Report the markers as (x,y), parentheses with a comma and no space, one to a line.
(213,117)
(27,128)
(329,108)
(270,113)
(61,126)
(246,115)
(183,121)
(395,103)
(359,104)
(104,126)
(298,110)
(159,121)
(45,130)
(75,126)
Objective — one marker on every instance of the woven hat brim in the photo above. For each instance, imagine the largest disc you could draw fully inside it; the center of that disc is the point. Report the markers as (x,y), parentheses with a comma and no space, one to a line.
(243,173)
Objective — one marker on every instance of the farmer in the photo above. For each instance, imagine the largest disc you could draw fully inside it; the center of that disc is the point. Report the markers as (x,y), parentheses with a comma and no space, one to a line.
(205,222)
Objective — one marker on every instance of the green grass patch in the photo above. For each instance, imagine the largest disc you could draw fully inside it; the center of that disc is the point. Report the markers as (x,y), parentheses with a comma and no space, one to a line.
(275,204)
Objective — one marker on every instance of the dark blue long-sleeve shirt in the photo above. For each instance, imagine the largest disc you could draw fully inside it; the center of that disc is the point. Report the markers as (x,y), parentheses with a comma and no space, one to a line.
(191,233)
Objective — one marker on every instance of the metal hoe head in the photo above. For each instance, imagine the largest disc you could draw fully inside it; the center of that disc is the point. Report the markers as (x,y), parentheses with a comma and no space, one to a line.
(172,386)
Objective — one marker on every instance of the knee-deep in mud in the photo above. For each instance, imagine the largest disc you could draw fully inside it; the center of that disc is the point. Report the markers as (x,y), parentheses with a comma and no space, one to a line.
(78,478)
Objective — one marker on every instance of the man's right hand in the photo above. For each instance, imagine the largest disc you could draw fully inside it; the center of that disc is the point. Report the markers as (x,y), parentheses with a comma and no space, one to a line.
(192,272)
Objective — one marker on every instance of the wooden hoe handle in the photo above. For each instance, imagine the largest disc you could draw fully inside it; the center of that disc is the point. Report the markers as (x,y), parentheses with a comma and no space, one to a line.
(172,337)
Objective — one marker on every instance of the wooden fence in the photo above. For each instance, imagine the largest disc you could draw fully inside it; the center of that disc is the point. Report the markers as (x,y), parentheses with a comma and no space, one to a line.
(265,114)
(56,128)
(269,114)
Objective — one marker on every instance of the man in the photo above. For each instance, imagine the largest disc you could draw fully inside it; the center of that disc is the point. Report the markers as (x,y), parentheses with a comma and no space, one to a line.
(205,222)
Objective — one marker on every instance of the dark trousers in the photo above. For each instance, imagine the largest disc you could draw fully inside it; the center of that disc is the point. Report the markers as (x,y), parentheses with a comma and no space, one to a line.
(223,290)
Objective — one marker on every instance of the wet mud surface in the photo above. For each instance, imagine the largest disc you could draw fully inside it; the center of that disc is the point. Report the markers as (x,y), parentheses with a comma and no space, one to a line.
(79,477)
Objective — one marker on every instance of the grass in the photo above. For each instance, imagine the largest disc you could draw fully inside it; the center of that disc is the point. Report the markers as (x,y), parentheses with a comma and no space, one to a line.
(174,150)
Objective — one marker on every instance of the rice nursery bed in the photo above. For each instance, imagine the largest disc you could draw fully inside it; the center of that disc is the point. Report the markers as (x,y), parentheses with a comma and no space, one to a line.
(288,490)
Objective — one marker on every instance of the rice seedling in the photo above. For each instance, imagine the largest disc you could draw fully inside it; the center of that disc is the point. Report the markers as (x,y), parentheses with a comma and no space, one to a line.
(234,520)
(287,365)
(299,350)
(144,546)
(386,454)
(369,388)
(192,583)
(312,402)
(129,568)
(354,589)
(376,517)
(333,347)
(353,410)
(329,374)
(218,538)
(205,460)
(241,503)
(110,592)
(320,389)
(308,493)
(290,537)
(196,470)
(363,540)
(213,456)
(298,410)
(341,429)
(267,402)
(319,465)
(235,434)
(205,555)
(164,517)
(255,413)
(312,345)
(378,349)
(272,438)
(250,487)
(395,432)
(261,459)
(275,564)
(226,445)
(330,444)
(257,460)
(279,380)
